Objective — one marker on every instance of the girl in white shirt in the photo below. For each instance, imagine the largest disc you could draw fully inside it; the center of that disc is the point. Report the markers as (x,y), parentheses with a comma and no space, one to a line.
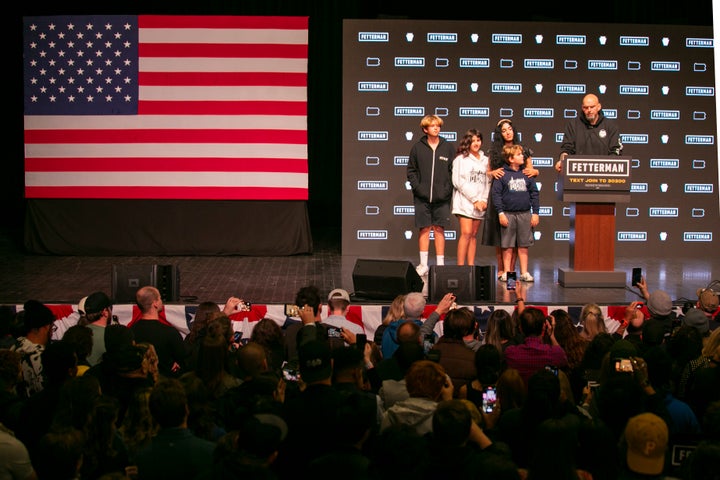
(470,196)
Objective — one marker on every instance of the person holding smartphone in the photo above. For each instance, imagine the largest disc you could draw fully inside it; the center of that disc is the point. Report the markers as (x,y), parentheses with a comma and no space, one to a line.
(337,322)
(534,353)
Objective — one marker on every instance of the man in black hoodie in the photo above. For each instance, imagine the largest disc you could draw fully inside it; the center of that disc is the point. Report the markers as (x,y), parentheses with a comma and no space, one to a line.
(429,172)
(590,133)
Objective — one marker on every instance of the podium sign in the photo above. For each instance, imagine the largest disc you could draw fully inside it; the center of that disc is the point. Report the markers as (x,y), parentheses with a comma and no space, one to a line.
(603,179)
(594,184)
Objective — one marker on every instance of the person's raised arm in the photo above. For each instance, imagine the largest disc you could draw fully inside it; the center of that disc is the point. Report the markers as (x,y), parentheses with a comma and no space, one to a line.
(443,307)
(642,285)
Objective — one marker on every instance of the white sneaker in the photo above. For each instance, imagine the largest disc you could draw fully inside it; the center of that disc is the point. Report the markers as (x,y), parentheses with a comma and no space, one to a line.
(422,270)
(503,277)
(526,277)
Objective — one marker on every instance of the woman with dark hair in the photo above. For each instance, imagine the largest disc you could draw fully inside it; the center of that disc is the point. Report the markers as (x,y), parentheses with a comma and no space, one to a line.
(470,195)
(268,333)
(501,330)
(568,337)
(213,362)
(488,365)
(504,134)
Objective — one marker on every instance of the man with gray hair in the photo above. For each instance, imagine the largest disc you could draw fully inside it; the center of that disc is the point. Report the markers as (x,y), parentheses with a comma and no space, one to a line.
(414,307)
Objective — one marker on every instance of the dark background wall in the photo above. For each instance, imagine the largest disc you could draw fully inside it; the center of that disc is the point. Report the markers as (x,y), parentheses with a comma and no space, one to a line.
(324,69)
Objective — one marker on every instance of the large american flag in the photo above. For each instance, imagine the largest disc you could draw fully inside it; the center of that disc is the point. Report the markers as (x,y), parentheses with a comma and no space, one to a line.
(166,107)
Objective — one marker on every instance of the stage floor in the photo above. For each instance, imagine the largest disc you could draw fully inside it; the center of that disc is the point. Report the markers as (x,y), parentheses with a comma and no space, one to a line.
(275,280)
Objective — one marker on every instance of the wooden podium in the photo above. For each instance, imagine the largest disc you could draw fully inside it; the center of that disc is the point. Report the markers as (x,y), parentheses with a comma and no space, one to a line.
(593,185)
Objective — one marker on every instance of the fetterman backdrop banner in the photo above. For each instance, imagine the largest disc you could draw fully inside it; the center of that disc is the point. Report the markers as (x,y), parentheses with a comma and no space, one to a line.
(657,82)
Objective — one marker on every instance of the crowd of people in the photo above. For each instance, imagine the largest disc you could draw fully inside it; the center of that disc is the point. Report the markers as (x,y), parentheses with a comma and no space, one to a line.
(427,395)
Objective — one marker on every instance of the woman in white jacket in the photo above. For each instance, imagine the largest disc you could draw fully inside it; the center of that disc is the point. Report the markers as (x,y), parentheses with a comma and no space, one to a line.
(471,183)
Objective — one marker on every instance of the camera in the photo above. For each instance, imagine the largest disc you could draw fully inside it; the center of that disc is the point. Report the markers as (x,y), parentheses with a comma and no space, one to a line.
(334,332)
(511,280)
(552,369)
(236,341)
(428,342)
(290,374)
(489,397)
(292,310)
(244,306)
(623,365)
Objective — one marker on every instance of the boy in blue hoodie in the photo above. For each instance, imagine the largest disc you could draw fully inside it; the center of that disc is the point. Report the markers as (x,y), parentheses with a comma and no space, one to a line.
(517,200)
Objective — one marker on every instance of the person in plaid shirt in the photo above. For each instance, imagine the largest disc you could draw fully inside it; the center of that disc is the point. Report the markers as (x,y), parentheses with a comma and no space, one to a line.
(540,347)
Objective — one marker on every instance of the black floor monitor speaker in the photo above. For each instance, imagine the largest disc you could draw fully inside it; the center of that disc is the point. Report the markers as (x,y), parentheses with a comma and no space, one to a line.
(384,279)
(127,279)
(469,283)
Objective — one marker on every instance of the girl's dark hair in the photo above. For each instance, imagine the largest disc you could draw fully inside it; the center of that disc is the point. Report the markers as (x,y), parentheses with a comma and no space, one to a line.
(464,146)
(488,363)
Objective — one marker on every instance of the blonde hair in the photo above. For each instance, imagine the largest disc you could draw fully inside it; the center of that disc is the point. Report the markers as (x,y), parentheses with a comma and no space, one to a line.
(510,151)
(593,326)
(428,120)
(396,310)
(712,343)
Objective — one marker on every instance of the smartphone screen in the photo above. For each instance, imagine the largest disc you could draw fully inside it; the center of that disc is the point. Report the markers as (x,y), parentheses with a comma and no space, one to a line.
(290,374)
(428,342)
(489,399)
(334,332)
(636,276)
(623,365)
(511,280)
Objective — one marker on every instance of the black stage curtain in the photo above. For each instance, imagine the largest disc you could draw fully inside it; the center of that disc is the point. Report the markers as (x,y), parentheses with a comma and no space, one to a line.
(167,227)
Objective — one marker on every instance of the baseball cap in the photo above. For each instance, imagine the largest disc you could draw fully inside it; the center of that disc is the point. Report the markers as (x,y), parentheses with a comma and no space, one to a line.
(315,361)
(96,302)
(81,305)
(708,299)
(697,318)
(339,294)
(660,303)
(646,435)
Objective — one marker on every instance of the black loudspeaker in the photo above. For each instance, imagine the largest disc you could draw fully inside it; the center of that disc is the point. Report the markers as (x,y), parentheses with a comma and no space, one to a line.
(385,279)
(469,283)
(127,279)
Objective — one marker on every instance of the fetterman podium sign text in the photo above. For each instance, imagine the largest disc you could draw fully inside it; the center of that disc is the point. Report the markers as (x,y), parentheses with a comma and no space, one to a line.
(592,175)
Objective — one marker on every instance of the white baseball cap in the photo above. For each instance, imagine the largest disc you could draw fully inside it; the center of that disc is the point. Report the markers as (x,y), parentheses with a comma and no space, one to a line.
(339,294)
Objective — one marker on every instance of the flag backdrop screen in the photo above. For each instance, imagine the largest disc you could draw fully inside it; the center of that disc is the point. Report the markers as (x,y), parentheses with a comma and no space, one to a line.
(165,107)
